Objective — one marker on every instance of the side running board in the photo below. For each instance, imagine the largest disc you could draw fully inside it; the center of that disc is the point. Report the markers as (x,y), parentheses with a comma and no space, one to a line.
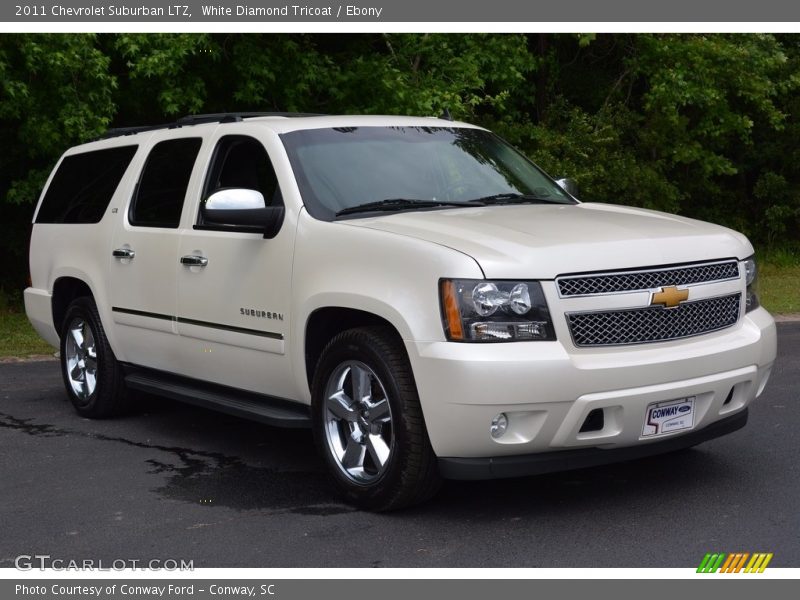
(240,403)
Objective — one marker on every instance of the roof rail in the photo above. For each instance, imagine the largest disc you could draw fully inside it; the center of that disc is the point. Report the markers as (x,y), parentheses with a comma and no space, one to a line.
(119,131)
(231,117)
(189,120)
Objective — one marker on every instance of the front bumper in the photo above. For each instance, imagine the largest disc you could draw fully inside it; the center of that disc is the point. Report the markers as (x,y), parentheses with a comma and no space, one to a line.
(566,460)
(547,390)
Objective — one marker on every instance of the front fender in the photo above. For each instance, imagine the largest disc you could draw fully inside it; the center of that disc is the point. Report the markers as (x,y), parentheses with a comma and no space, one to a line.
(393,276)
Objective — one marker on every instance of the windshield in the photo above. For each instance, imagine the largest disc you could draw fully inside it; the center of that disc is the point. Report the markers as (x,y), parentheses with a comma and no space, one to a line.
(342,168)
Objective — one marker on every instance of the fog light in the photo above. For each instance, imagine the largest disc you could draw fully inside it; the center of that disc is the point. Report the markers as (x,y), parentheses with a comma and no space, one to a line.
(499,426)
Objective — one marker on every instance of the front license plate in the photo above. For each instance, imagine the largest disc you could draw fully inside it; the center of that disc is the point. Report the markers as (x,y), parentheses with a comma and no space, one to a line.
(669,416)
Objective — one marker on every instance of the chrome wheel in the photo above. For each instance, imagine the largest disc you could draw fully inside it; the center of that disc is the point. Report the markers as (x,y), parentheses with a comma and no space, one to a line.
(358,422)
(80,355)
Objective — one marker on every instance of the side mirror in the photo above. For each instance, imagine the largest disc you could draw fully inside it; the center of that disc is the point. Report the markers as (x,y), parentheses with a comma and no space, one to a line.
(569,185)
(240,207)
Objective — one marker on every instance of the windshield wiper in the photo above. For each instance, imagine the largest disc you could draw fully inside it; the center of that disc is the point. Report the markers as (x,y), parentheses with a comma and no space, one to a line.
(392,204)
(513,198)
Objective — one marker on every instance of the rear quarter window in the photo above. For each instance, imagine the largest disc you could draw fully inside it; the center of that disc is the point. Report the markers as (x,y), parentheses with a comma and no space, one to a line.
(83,186)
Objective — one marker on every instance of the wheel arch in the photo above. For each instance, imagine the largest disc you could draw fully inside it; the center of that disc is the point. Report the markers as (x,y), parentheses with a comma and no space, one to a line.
(326,322)
(65,290)
(69,284)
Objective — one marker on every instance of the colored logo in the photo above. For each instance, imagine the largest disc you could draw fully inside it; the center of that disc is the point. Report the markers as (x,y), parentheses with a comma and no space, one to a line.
(669,297)
(739,562)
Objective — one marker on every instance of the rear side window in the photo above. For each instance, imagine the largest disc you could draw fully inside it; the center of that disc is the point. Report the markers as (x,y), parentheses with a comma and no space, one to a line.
(83,186)
(162,186)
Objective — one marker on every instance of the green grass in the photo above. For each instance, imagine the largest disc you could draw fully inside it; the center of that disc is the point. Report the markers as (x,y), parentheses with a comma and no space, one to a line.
(779,288)
(17,337)
(779,279)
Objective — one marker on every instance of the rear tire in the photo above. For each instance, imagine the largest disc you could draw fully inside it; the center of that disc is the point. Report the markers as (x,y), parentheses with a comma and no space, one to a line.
(92,376)
(368,423)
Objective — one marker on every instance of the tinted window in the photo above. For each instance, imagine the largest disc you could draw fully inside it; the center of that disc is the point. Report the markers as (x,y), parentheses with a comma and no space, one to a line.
(242,162)
(163,183)
(348,166)
(84,185)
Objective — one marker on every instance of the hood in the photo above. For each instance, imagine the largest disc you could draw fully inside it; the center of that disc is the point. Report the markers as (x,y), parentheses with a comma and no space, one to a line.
(542,241)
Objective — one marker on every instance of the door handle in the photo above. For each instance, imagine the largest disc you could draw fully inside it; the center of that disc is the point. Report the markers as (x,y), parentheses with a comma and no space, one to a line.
(123,253)
(192,260)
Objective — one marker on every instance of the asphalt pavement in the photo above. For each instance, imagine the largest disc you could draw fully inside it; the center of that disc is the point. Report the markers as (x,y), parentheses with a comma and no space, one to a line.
(176,482)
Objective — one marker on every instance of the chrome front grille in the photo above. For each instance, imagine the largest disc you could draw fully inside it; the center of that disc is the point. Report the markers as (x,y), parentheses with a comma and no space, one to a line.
(653,324)
(630,281)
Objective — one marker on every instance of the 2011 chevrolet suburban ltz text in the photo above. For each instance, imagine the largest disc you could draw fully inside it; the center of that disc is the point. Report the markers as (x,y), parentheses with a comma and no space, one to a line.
(415,290)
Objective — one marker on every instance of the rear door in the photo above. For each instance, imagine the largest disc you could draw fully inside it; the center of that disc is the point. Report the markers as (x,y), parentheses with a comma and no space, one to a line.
(233,309)
(144,254)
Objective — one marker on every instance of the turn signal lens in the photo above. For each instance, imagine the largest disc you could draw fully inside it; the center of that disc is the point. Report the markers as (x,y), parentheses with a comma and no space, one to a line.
(452,316)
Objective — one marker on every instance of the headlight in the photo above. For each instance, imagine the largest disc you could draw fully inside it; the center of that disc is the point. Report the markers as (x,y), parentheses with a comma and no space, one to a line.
(751,279)
(494,311)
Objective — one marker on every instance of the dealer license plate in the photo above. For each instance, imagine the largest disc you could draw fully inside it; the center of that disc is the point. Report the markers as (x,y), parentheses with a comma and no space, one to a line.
(668,417)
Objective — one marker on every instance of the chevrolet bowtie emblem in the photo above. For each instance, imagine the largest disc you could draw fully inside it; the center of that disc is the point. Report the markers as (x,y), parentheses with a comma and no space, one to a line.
(669,297)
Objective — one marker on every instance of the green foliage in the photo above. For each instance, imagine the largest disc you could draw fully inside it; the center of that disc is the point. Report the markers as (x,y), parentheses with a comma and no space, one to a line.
(55,91)
(703,125)
(704,95)
(424,74)
(706,103)
(170,66)
(781,202)
(277,73)
(594,150)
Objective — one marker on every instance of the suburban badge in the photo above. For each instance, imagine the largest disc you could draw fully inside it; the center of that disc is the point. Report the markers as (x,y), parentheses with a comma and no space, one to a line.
(261,314)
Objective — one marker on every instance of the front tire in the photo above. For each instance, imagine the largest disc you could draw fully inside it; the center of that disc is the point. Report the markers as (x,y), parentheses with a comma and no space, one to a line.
(92,376)
(368,422)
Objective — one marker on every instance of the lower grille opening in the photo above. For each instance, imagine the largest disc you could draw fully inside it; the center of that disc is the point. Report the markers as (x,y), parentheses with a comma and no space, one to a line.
(595,421)
(729,398)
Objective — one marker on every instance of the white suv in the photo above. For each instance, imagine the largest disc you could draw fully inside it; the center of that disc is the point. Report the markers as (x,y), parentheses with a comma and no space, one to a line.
(414,289)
